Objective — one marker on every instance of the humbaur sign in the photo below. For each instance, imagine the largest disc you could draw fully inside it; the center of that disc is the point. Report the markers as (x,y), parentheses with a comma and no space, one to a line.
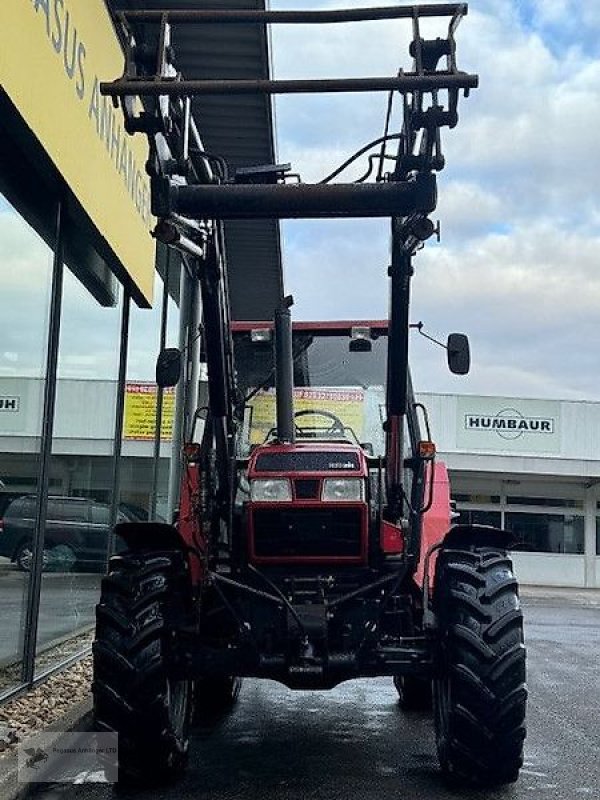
(9,403)
(510,422)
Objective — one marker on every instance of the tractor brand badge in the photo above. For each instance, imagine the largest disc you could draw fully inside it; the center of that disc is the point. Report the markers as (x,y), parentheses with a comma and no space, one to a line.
(509,423)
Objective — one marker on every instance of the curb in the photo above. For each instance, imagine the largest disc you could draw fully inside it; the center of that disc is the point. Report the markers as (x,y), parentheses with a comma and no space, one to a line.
(77,719)
(537,595)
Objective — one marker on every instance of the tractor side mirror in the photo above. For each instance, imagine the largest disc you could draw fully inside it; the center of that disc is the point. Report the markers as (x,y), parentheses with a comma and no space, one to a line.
(168,367)
(459,354)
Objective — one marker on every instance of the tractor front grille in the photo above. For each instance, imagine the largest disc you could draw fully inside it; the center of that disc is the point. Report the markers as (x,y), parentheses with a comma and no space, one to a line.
(308,532)
(307,488)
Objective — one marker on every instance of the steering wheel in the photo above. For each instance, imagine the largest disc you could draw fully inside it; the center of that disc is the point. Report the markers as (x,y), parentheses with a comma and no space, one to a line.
(336,426)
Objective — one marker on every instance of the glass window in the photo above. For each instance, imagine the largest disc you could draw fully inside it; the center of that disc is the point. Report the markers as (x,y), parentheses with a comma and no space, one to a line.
(480,499)
(546,533)
(552,502)
(72,510)
(80,470)
(339,388)
(476,517)
(25,279)
(137,465)
(100,515)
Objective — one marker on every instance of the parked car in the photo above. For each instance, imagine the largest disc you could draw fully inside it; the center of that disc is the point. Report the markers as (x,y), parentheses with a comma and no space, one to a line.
(76,532)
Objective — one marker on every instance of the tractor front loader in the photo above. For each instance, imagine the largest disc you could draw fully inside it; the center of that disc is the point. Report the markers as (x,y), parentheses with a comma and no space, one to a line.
(314,541)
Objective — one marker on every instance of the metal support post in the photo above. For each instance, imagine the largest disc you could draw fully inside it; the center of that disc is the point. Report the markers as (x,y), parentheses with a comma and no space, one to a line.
(193,362)
(185,305)
(397,390)
(119,417)
(160,393)
(35,576)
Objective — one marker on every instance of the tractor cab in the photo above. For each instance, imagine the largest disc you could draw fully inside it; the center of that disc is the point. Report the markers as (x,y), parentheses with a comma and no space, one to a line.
(339,375)
(313,494)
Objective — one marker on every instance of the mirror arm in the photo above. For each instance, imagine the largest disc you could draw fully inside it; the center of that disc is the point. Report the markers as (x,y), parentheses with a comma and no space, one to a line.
(418,326)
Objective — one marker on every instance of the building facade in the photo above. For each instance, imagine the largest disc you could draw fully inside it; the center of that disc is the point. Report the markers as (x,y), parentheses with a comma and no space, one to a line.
(531,467)
(85,305)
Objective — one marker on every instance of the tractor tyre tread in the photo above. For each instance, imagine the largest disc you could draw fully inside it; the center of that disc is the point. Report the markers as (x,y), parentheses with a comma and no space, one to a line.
(480,693)
(131,688)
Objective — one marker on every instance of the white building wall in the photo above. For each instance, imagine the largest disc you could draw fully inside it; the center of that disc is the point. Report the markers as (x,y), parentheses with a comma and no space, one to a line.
(564,458)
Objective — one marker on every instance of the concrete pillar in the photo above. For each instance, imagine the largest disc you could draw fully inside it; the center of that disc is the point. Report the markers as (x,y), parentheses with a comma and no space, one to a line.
(590,537)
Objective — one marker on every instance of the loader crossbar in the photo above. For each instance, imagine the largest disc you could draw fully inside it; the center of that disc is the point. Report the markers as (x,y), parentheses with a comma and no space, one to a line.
(256,17)
(171,87)
(294,201)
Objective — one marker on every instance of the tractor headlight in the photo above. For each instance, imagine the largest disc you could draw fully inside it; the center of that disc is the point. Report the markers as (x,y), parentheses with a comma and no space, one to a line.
(343,489)
(270,490)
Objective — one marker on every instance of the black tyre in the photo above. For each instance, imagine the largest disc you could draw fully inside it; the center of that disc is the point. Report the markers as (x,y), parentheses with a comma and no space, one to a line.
(480,693)
(133,694)
(215,696)
(414,693)
(23,556)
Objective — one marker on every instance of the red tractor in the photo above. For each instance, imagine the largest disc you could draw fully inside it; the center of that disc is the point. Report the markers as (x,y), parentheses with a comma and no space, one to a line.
(314,542)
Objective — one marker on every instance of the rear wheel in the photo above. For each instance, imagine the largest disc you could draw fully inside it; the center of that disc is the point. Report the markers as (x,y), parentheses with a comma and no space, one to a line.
(414,693)
(134,695)
(479,690)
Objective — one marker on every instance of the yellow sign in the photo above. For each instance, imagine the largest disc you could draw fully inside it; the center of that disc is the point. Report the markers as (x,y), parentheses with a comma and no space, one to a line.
(347,404)
(53,56)
(140,412)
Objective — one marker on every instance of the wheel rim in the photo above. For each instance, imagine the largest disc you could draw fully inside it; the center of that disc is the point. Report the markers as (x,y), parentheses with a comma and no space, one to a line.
(25,558)
(178,693)
(442,697)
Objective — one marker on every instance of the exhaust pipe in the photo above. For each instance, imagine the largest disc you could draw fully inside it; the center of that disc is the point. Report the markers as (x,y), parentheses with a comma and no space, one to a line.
(284,372)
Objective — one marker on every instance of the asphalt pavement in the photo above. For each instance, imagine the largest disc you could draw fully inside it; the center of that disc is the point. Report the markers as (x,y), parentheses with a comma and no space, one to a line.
(354,742)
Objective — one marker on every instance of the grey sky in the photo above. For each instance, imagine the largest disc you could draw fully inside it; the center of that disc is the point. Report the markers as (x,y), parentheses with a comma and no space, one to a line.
(518,268)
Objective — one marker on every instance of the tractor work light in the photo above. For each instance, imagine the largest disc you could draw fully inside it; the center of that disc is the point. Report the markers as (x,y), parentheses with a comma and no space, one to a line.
(427,450)
(360,339)
(342,490)
(261,335)
(270,490)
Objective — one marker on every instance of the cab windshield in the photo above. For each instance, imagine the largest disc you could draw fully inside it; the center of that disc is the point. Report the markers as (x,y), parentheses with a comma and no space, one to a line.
(336,372)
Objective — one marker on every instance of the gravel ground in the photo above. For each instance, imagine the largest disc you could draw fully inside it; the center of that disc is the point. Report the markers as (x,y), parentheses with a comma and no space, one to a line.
(47,657)
(34,711)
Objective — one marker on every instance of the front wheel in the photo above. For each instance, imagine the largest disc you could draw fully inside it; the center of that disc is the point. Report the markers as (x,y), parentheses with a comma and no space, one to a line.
(134,695)
(479,690)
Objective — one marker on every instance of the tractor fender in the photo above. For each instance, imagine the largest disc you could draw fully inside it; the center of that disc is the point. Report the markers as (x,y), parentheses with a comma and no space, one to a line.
(464,537)
(436,521)
(140,536)
(437,529)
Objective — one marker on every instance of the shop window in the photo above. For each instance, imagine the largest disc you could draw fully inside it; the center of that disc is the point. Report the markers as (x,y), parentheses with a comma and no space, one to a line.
(546,502)
(546,533)
(144,485)
(476,517)
(81,469)
(479,499)
(25,281)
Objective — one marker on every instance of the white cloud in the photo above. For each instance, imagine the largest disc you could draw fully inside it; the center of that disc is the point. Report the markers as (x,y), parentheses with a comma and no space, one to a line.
(519,263)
